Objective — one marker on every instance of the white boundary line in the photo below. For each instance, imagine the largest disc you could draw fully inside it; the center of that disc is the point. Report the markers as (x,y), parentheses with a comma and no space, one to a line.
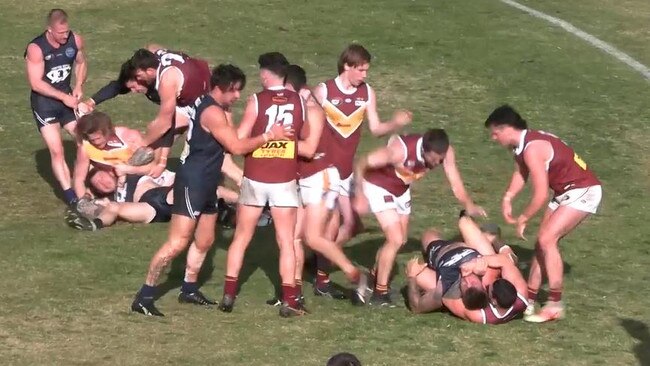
(603,46)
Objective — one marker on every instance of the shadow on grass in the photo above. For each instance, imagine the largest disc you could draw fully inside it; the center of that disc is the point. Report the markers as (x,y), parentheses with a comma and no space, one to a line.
(639,331)
(44,165)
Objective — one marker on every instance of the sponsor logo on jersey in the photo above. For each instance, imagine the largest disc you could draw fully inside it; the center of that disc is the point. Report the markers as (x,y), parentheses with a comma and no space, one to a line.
(69,52)
(48,57)
(279,99)
(359,103)
(114,144)
(336,101)
(348,100)
(276,149)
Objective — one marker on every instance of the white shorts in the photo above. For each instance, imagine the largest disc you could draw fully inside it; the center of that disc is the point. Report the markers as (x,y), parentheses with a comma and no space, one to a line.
(319,187)
(583,199)
(380,199)
(346,186)
(255,193)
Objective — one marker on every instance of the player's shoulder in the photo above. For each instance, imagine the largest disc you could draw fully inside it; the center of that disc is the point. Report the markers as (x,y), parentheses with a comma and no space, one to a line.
(78,39)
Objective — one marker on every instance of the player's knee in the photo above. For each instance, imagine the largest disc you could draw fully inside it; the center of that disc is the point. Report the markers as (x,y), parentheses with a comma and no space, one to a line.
(204,243)
(56,153)
(546,241)
(428,236)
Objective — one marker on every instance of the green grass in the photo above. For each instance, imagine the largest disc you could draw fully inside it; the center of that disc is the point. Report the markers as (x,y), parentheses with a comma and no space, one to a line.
(65,294)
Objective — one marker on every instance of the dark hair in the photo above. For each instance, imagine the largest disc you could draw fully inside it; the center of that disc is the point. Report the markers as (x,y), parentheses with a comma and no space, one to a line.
(436,140)
(474,298)
(353,55)
(227,76)
(56,16)
(504,293)
(275,62)
(143,59)
(296,76)
(127,72)
(505,115)
(343,359)
(95,121)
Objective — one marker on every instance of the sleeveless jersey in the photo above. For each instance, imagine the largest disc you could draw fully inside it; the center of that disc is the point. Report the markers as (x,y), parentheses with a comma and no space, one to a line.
(397,179)
(566,170)
(196,75)
(116,151)
(345,113)
(126,192)
(203,154)
(275,161)
(492,316)
(58,63)
(321,159)
(447,265)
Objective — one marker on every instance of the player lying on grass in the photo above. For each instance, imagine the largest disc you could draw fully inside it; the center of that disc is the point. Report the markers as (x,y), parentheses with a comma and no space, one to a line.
(141,199)
(467,276)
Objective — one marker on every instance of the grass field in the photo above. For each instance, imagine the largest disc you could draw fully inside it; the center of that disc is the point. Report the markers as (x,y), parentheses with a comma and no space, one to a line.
(65,295)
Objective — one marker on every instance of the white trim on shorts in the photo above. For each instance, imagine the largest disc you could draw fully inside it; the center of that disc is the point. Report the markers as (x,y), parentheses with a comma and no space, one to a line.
(583,199)
(379,199)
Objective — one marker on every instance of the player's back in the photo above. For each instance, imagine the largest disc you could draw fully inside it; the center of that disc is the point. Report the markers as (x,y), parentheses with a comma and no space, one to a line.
(566,170)
(397,179)
(275,161)
(196,75)
(57,61)
(203,154)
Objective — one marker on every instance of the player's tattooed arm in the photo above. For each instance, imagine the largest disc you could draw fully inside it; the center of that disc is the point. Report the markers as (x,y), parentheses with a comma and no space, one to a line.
(421,303)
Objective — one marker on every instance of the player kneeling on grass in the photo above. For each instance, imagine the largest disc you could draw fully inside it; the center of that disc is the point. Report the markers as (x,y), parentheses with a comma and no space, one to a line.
(467,277)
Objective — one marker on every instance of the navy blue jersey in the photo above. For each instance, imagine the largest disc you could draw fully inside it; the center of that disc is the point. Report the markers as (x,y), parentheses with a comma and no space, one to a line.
(447,265)
(58,61)
(127,191)
(203,154)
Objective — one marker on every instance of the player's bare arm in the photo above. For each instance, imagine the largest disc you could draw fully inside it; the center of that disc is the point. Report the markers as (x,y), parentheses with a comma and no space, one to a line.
(457,185)
(421,302)
(214,120)
(248,119)
(170,83)
(378,128)
(536,156)
(35,69)
(517,183)
(316,120)
(80,172)
(391,154)
(80,68)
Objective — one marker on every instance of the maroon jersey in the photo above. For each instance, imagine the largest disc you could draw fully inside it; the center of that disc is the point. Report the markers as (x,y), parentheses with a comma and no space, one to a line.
(492,316)
(275,161)
(196,75)
(321,159)
(397,179)
(566,170)
(345,113)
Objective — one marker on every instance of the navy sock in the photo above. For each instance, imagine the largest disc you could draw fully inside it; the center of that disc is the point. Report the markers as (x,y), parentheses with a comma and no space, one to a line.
(69,195)
(147,292)
(98,223)
(189,287)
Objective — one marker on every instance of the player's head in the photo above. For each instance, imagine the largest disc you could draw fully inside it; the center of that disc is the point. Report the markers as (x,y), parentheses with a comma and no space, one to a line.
(95,127)
(57,25)
(435,144)
(144,63)
(127,78)
(354,61)
(472,292)
(102,182)
(502,293)
(296,80)
(273,68)
(227,82)
(343,359)
(505,125)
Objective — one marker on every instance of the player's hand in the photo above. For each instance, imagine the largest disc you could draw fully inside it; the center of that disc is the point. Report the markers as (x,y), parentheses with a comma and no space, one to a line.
(156,171)
(121,169)
(78,92)
(70,101)
(402,117)
(522,221)
(506,210)
(85,107)
(474,210)
(414,267)
(280,132)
